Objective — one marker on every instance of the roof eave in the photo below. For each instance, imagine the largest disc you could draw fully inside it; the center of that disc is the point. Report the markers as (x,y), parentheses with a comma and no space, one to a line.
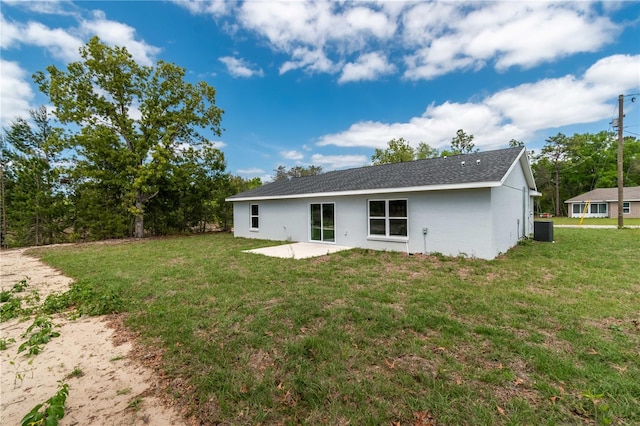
(599,201)
(474,185)
(523,160)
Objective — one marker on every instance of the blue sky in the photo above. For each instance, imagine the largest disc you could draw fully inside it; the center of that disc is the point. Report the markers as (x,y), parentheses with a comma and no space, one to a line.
(326,83)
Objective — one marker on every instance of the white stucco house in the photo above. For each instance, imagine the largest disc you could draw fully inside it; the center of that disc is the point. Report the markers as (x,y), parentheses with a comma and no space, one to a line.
(473,205)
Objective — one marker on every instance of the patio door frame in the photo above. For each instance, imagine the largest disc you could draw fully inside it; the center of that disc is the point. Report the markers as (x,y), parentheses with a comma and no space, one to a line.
(326,228)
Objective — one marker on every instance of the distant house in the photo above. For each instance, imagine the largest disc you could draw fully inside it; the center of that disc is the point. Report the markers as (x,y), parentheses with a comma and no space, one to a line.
(603,202)
(474,205)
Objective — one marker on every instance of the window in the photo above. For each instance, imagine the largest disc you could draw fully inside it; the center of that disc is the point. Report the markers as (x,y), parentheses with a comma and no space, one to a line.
(626,207)
(323,222)
(599,208)
(254,216)
(578,208)
(388,218)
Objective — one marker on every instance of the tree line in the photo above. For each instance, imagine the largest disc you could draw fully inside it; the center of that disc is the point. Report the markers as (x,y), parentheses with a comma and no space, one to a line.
(124,154)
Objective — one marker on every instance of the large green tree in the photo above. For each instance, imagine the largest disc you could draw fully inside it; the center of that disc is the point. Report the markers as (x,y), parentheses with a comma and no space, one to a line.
(462,143)
(555,152)
(34,203)
(148,112)
(571,165)
(425,151)
(281,173)
(188,194)
(399,151)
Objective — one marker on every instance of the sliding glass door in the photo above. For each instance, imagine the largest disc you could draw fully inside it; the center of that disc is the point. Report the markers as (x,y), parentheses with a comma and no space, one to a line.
(323,222)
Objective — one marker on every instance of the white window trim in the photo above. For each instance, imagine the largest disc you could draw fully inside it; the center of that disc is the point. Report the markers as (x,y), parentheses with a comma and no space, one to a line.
(386,237)
(606,208)
(251,216)
(628,208)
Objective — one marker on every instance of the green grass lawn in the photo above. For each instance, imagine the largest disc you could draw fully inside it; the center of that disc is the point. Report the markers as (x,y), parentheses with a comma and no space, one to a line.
(592,221)
(547,334)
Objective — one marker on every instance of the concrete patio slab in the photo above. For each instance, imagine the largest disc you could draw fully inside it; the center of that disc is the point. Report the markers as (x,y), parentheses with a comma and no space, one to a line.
(299,250)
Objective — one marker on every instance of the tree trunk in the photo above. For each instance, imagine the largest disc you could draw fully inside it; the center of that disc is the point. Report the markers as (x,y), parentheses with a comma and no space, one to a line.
(139,223)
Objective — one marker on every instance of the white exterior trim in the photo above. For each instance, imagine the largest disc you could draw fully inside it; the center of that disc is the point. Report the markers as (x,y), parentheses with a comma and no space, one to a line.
(475,185)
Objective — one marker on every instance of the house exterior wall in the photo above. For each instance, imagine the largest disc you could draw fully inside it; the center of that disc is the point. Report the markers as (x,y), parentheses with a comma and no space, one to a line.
(279,220)
(633,213)
(511,211)
(458,222)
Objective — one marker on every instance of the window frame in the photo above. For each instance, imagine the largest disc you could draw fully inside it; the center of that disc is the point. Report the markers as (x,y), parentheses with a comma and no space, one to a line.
(322,228)
(388,218)
(626,207)
(598,207)
(580,208)
(253,216)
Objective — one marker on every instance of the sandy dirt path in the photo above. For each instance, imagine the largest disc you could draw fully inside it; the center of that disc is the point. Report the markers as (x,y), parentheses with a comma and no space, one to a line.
(112,390)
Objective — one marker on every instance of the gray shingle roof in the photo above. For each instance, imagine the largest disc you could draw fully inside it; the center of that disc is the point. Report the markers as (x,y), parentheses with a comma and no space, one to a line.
(631,193)
(492,167)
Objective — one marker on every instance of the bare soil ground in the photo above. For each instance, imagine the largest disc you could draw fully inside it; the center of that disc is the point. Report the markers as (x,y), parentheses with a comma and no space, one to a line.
(109,387)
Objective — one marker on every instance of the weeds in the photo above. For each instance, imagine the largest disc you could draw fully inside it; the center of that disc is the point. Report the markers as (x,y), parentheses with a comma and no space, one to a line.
(85,299)
(601,410)
(124,391)
(12,305)
(20,286)
(52,409)
(39,333)
(75,373)
(4,343)
(136,403)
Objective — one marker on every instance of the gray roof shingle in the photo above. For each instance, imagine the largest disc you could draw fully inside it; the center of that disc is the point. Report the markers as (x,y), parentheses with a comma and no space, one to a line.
(492,167)
(631,193)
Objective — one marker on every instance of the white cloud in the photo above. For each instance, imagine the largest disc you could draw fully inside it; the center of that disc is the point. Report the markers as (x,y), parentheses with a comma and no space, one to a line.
(332,162)
(119,34)
(430,38)
(369,66)
(436,126)
(240,67)
(64,44)
(292,155)
(16,92)
(212,7)
(515,113)
(311,61)
(51,7)
(569,100)
(10,33)
(60,43)
(614,73)
(251,171)
(508,33)
(308,31)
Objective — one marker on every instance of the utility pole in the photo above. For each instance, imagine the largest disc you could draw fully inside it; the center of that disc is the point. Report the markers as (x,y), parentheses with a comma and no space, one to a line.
(620,177)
